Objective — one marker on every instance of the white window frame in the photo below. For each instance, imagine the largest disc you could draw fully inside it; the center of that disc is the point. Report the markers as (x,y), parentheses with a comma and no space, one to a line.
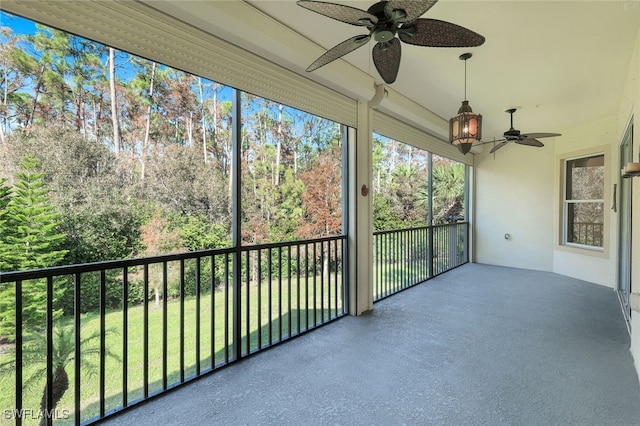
(566,202)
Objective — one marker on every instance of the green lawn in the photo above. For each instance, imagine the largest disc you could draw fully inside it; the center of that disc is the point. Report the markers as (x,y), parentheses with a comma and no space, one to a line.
(297,310)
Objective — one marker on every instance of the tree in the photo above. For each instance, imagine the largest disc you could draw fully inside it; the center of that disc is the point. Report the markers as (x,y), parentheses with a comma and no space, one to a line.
(322,200)
(448,191)
(31,241)
(31,232)
(63,354)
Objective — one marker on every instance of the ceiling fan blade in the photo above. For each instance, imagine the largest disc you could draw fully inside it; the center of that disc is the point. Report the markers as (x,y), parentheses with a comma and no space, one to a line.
(340,12)
(386,58)
(540,135)
(339,50)
(412,9)
(530,142)
(436,33)
(497,147)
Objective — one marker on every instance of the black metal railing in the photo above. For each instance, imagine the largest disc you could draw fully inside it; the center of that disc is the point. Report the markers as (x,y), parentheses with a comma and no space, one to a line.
(407,257)
(587,233)
(124,331)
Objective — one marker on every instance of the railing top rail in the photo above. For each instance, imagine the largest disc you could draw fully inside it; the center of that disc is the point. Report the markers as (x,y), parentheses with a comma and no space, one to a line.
(418,228)
(141,261)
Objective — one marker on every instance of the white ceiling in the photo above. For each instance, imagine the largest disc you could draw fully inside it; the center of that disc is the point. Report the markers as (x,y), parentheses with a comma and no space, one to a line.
(561,63)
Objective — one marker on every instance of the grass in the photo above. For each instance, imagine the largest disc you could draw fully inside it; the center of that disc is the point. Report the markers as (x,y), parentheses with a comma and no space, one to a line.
(284,310)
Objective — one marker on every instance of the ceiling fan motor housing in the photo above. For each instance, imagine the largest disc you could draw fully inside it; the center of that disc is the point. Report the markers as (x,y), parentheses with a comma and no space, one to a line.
(512,133)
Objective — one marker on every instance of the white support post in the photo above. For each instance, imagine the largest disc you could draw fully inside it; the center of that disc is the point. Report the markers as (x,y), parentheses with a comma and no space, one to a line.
(361,215)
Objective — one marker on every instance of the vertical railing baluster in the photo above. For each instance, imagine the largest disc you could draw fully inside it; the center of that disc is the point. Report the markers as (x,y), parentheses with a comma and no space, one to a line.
(335,278)
(427,251)
(181,317)
(125,335)
(145,332)
(328,272)
(198,272)
(270,296)
(165,328)
(49,333)
(403,259)
(315,283)
(248,305)
(290,314)
(212,312)
(226,308)
(385,278)
(259,299)
(306,293)
(322,275)
(409,248)
(466,242)
(298,284)
(405,270)
(77,309)
(19,338)
(103,314)
(398,270)
(430,250)
(280,294)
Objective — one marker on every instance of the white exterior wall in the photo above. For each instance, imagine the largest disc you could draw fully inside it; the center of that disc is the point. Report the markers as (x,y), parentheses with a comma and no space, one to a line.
(513,196)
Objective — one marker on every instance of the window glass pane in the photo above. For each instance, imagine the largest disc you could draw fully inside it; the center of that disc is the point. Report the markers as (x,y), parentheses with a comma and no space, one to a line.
(585,178)
(291,173)
(585,223)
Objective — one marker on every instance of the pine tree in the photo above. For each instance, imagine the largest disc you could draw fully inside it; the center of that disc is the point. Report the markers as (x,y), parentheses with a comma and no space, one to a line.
(30,241)
(31,222)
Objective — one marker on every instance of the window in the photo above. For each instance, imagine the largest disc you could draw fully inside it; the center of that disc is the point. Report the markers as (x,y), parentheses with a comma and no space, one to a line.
(584,201)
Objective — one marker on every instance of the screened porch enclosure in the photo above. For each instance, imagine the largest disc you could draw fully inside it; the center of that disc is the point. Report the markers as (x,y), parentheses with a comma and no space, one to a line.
(235,215)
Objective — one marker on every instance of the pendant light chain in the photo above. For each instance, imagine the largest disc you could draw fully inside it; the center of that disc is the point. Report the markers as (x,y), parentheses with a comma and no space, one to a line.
(465,79)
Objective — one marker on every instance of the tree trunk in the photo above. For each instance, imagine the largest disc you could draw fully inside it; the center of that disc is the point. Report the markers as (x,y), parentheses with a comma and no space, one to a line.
(190,129)
(279,147)
(114,107)
(147,129)
(5,97)
(203,120)
(325,264)
(59,386)
(34,104)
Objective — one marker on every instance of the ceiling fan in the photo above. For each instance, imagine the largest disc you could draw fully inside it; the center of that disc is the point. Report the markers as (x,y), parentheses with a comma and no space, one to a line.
(385,20)
(513,135)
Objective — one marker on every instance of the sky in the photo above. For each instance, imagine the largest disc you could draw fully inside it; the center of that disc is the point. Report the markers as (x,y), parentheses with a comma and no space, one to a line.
(16,23)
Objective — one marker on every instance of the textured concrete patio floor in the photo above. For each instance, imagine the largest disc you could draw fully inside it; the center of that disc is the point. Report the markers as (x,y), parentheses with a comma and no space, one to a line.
(480,345)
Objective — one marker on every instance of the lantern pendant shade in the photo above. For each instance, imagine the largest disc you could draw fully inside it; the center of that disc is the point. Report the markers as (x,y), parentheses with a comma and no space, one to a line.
(466,127)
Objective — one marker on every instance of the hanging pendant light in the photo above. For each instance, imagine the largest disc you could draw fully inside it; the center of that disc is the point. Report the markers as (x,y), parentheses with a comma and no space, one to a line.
(466,127)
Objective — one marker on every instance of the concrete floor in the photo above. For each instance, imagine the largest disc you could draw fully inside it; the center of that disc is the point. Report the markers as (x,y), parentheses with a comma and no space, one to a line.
(480,345)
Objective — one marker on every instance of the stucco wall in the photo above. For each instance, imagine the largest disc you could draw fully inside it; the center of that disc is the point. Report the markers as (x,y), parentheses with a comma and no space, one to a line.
(513,196)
